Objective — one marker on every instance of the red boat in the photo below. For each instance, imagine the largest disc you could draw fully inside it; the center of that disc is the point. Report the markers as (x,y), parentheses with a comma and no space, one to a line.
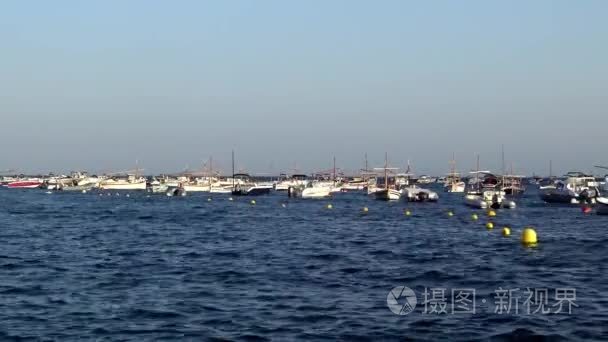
(29,184)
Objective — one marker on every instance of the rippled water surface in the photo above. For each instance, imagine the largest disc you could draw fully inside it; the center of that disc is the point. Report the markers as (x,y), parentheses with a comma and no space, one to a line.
(85,266)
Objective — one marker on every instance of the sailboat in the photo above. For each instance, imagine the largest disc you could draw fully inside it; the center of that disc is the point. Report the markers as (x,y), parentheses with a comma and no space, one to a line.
(453,183)
(512,184)
(203,183)
(388,193)
(358,183)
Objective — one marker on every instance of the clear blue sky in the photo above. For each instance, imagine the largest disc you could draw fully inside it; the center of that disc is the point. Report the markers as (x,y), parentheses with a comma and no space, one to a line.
(99,84)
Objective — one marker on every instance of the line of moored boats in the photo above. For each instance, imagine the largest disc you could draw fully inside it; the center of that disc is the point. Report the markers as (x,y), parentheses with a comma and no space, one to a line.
(481,189)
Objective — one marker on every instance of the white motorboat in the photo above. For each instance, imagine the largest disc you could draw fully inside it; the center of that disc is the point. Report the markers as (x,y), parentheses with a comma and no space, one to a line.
(577,188)
(311,190)
(494,199)
(131,183)
(414,193)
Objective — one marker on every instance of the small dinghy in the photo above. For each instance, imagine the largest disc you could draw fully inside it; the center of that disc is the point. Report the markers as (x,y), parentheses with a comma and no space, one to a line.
(414,193)
(494,199)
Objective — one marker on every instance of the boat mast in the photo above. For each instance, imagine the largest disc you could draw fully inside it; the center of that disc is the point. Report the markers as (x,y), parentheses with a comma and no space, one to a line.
(386,170)
(503,158)
(453,168)
(366,175)
(477,174)
(210,170)
(334,176)
(503,165)
(550,168)
(232,169)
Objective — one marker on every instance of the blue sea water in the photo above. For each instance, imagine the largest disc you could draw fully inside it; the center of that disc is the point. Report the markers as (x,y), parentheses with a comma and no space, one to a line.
(148,267)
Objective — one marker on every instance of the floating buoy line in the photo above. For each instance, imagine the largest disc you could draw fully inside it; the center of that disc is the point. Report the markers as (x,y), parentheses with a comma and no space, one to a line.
(529,237)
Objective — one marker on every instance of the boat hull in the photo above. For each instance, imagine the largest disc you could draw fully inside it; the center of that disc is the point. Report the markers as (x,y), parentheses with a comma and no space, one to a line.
(557,196)
(455,187)
(475,201)
(197,188)
(24,185)
(311,192)
(220,190)
(601,206)
(489,199)
(387,195)
(252,191)
(130,186)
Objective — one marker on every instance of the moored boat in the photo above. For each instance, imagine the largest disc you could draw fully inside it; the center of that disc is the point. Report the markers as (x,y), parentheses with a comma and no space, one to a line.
(414,193)
(311,190)
(25,184)
(387,195)
(389,192)
(577,188)
(247,187)
(131,183)
(452,181)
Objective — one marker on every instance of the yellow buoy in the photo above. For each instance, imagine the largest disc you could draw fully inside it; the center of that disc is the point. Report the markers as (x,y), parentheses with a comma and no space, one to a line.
(407,213)
(491,213)
(528,236)
(450,214)
(329,206)
(365,209)
(252,202)
(506,231)
(474,217)
(490,225)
